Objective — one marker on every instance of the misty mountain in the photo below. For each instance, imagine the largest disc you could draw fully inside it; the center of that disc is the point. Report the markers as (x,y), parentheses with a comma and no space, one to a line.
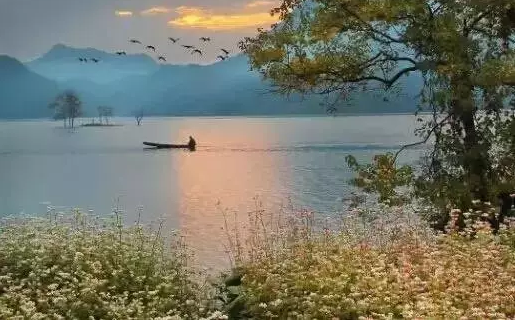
(132,82)
(24,94)
(62,63)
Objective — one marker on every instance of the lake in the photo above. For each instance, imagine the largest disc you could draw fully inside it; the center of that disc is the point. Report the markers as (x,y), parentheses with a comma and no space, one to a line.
(298,161)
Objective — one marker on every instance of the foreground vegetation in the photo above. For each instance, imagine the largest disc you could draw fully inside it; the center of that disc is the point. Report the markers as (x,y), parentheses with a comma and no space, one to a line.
(387,266)
(380,263)
(85,268)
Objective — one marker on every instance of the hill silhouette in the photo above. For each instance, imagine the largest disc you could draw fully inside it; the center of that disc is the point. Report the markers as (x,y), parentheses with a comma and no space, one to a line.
(137,81)
(23,94)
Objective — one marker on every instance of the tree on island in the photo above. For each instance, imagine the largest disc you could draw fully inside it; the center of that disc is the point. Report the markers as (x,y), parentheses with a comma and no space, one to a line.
(104,113)
(138,114)
(462,49)
(67,106)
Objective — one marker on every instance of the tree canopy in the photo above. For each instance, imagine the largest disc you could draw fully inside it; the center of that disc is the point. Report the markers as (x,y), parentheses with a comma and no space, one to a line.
(462,48)
(331,45)
(67,106)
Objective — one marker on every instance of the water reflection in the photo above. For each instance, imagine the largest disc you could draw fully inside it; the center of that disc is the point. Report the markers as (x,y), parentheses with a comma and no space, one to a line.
(214,184)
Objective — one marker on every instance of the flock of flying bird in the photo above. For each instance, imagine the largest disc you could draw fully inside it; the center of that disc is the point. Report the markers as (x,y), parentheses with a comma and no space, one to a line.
(194,50)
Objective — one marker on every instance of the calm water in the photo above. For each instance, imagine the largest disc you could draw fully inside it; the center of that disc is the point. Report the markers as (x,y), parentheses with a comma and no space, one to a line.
(279,160)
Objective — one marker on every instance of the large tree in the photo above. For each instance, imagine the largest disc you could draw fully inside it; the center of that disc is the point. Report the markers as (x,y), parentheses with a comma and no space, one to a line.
(67,106)
(462,48)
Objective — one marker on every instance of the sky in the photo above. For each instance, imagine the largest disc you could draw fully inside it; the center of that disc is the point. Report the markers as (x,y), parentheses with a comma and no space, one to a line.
(29,28)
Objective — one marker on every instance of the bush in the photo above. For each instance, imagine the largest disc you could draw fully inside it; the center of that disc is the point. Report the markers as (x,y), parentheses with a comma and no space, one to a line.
(89,269)
(404,273)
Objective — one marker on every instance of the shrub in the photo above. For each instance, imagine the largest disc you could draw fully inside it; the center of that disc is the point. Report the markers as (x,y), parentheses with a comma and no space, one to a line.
(86,268)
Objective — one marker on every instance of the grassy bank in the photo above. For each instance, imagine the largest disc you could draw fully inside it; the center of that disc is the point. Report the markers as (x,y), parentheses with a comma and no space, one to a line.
(381,263)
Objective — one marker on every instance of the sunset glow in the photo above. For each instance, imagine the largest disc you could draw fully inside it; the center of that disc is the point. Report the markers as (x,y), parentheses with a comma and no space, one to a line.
(123,13)
(200,18)
(156,11)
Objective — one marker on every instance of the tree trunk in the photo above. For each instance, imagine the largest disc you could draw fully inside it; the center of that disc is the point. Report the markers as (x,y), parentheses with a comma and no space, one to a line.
(475,156)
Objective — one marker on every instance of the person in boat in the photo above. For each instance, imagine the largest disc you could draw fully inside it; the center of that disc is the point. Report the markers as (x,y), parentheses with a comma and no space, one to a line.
(192,143)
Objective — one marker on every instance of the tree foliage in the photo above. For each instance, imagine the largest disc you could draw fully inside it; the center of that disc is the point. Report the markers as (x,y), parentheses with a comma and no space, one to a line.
(67,106)
(462,49)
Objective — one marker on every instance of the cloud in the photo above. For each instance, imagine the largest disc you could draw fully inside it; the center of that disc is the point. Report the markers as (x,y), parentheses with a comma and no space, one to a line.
(123,13)
(156,10)
(261,3)
(200,18)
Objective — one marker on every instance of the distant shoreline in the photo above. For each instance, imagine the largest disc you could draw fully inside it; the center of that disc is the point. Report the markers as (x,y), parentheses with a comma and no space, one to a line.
(100,125)
(316,115)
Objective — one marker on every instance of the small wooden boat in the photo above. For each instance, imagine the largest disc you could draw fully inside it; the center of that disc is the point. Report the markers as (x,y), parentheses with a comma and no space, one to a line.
(168,146)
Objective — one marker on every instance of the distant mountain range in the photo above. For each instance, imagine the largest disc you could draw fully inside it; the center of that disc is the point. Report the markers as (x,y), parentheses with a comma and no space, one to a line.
(23,93)
(132,82)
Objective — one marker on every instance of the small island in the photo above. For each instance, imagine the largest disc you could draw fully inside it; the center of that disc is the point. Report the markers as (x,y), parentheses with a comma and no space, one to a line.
(104,113)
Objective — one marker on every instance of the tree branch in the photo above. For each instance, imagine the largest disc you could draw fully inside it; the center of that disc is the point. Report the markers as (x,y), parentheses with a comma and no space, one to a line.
(429,134)
(388,82)
(370,28)
(399,74)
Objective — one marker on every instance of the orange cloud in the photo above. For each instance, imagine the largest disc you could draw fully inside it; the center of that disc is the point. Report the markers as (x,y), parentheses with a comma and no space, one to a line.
(261,3)
(123,13)
(156,10)
(200,18)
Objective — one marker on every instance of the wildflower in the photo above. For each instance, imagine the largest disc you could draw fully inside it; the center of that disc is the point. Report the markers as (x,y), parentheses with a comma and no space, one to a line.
(455,211)
(276,302)
(53,286)
(262,305)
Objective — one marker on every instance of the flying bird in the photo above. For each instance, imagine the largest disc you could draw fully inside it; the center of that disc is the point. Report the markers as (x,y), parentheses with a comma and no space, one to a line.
(152,48)
(134,41)
(81,59)
(225,51)
(121,53)
(205,39)
(222,58)
(174,40)
(94,60)
(196,51)
(188,47)
(161,58)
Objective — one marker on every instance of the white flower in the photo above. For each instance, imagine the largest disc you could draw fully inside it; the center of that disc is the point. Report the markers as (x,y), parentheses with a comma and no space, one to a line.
(262,305)
(53,286)
(276,302)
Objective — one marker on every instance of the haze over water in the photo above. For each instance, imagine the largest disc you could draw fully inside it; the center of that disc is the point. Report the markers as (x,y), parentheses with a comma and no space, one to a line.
(279,160)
